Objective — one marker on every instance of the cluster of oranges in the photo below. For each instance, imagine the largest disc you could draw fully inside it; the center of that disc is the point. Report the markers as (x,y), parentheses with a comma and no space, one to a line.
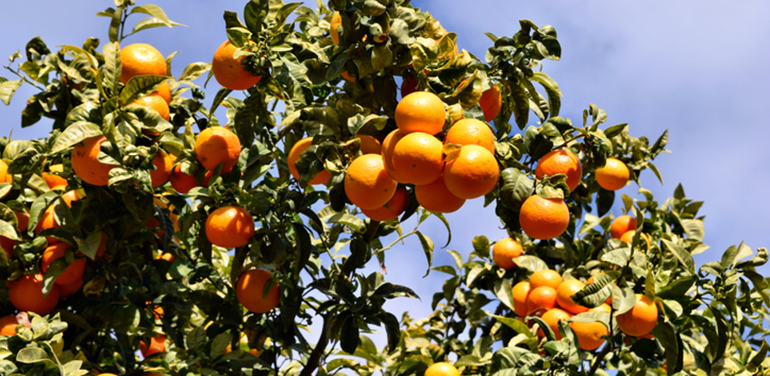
(624,228)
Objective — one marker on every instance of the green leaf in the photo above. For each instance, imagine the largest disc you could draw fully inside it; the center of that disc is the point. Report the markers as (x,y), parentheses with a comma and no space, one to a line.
(349,336)
(196,339)
(254,15)
(516,187)
(693,228)
(503,292)
(681,254)
(427,247)
(219,344)
(7,89)
(194,70)
(457,259)
(677,288)
(552,89)
(619,257)
(530,263)
(138,86)
(7,230)
(393,331)
(74,134)
(113,67)
(623,299)
(29,355)
(156,12)
(349,220)
(513,323)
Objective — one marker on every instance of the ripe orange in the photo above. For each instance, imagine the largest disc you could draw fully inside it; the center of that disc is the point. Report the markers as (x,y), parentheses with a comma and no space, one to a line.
(471,132)
(157,345)
(641,319)
(367,185)
(561,161)
(73,272)
(156,102)
(543,218)
(5,177)
(166,256)
(590,334)
(218,145)
(334,26)
(139,59)
(392,210)
(8,325)
(621,225)
(521,292)
(546,277)
(26,294)
(442,369)
(419,158)
(388,145)
(47,221)
(613,176)
(552,318)
(436,197)
(164,91)
(162,171)
(420,111)
(182,182)
(250,291)
(70,288)
(228,70)
(491,100)
(370,144)
(628,237)
(541,298)
(473,173)
(52,180)
(230,227)
(86,164)
(564,294)
(294,154)
(73,195)
(504,250)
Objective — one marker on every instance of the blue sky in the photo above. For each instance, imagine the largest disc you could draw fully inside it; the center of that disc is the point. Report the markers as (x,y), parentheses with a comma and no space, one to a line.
(696,68)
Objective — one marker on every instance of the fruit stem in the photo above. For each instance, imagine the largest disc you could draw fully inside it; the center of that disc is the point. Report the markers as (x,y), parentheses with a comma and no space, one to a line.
(599,358)
(565,143)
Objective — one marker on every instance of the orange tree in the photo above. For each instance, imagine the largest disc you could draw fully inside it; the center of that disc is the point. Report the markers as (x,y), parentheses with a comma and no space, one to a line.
(151,236)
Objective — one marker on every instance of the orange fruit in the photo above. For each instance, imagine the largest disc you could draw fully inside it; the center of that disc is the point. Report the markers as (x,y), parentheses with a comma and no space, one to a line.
(473,173)
(621,225)
(641,319)
(156,102)
(543,218)
(419,158)
(162,171)
(334,26)
(47,221)
(546,277)
(388,145)
(589,334)
(73,272)
(504,250)
(442,369)
(5,177)
(218,145)
(561,161)
(70,196)
(182,182)
(436,197)
(26,294)
(491,100)
(230,227)
(420,111)
(521,292)
(139,59)
(8,325)
(628,237)
(157,345)
(471,132)
(70,288)
(370,144)
(166,256)
(164,91)
(613,176)
(294,155)
(85,162)
(367,185)
(228,70)
(250,291)
(552,318)
(564,293)
(392,210)
(54,181)
(347,76)
(541,298)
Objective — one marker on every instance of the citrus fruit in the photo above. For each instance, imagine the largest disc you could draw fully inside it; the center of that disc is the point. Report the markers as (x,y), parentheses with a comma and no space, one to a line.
(473,173)
(520,293)
(157,345)
(26,294)
(504,250)
(70,288)
(250,291)
(388,145)
(442,369)
(230,227)
(419,158)
(621,225)
(156,102)
(8,325)
(85,163)
(218,145)
(640,319)
(72,273)
(370,144)
(420,111)
(628,237)
(47,221)
(613,176)
(294,155)
(164,91)
(564,293)
(490,102)
(436,197)
(541,298)
(589,334)
(552,318)
(347,76)
(162,171)
(182,182)
(139,59)
(543,218)
(471,132)
(54,181)
(334,26)
(546,277)
(561,161)
(367,185)
(228,70)
(392,210)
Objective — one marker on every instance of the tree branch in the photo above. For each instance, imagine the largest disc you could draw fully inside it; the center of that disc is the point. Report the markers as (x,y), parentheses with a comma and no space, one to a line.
(315,357)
